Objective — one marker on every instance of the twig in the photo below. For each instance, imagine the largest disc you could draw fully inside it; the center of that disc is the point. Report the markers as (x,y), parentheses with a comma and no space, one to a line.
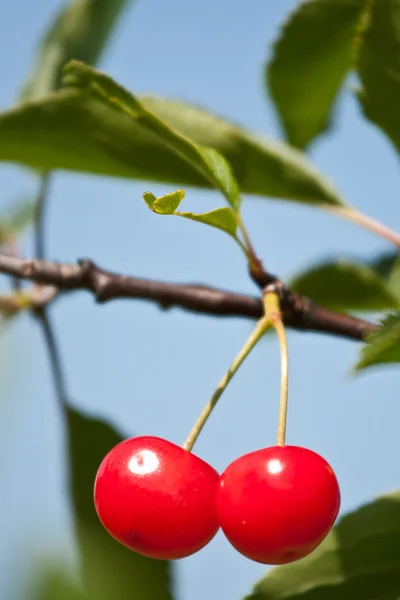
(42,312)
(298,312)
(54,356)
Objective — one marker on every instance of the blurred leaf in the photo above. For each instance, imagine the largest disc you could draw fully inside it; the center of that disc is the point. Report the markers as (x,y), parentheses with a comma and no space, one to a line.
(379,68)
(79,31)
(54,584)
(360,559)
(384,345)
(314,52)
(167,204)
(221,218)
(388,266)
(108,569)
(84,130)
(16,220)
(346,285)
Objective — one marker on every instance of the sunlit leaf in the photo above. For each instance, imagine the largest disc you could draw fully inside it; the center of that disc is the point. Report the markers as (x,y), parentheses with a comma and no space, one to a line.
(359,560)
(206,161)
(84,129)
(313,53)
(167,205)
(382,346)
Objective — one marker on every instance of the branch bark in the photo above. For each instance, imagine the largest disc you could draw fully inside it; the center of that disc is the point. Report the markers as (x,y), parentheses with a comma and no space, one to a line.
(299,312)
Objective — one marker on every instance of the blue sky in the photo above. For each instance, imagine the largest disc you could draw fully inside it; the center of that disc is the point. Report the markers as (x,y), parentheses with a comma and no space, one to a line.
(210,53)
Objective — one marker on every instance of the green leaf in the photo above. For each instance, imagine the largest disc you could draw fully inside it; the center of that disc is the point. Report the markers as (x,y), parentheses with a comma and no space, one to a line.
(167,205)
(221,218)
(360,559)
(221,168)
(346,285)
(149,198)
(82,129)
(54,584)
(80,31)
(383,346)
(206,161)
(379,68)
(108,569)
(314,52)
(388,266)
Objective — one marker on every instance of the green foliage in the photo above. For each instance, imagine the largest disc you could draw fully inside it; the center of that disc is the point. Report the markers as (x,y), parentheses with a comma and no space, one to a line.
(81,130)
(344,285)
(360,558)
(388,266)
(384,345)
(107,568)
(311,58)
(54,584)
(167,205)
(223,173)
(379,68)
(80,31)
(206,161)
(221,218)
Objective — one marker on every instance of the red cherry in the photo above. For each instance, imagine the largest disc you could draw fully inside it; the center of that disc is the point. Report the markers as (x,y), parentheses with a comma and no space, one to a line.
(277,504)
(157,498)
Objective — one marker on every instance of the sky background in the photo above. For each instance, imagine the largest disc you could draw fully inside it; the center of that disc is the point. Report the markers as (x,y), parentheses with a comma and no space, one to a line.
(211,53)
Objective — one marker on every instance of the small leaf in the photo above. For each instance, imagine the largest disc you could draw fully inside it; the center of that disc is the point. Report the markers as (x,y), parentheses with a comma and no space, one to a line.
(221,218)
(360,559)
(82,129)
(149,198)
(379,68)
(346,285)
(80,31)
(311,58)
(383,346)
(167,205)
(108,569)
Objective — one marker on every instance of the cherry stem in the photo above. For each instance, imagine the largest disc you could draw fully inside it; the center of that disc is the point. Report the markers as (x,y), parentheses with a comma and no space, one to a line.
(253,260)
(261,327)
(274,316)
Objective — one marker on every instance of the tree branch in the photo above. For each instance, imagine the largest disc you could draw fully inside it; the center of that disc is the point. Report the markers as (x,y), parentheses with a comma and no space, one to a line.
(299,312)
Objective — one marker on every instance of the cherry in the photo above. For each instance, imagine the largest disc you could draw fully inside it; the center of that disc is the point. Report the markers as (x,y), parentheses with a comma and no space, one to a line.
(157,498)
(277,504)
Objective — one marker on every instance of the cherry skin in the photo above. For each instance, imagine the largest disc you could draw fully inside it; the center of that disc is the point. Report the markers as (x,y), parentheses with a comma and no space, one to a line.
(277,504)
(157,498)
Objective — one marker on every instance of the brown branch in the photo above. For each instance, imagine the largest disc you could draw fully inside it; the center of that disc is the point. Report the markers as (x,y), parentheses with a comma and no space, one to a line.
(299,312)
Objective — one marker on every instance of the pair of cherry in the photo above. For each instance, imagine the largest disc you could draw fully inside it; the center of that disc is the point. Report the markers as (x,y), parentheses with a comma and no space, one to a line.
(274,505)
